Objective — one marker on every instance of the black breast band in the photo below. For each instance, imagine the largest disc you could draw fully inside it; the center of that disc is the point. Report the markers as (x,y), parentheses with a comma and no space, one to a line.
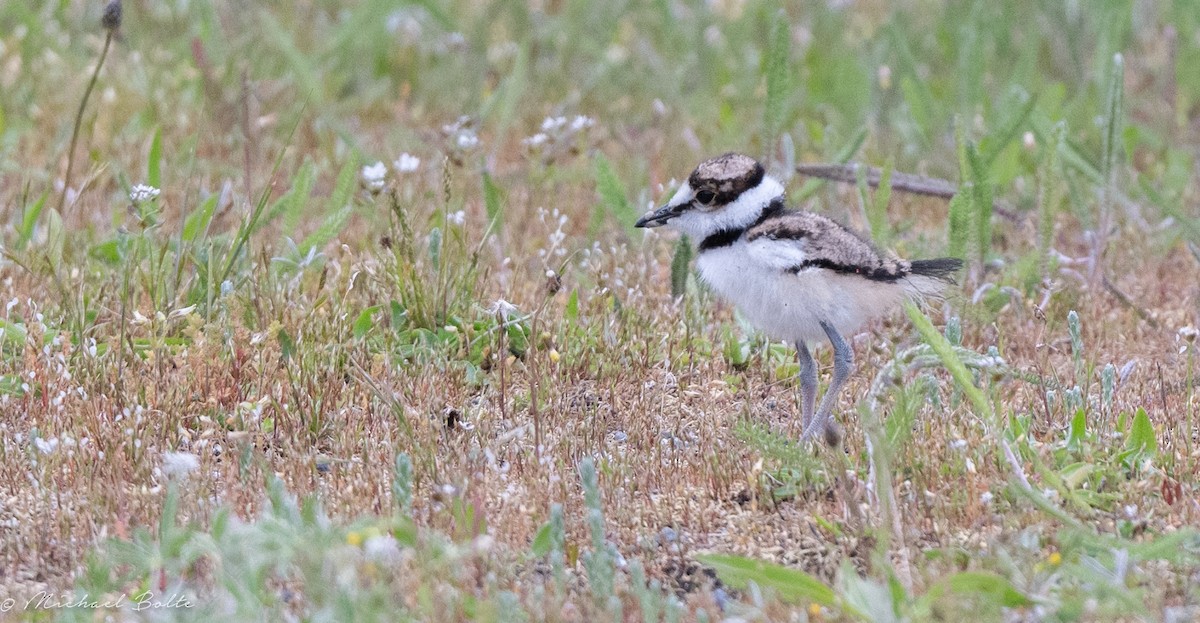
(726,237)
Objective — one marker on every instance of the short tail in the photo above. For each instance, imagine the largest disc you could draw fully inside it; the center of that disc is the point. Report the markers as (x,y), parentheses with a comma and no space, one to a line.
(928,279)
(942,268)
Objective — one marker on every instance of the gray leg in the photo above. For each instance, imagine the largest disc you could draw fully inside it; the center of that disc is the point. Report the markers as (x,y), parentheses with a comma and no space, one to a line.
(808,383)
(843,365)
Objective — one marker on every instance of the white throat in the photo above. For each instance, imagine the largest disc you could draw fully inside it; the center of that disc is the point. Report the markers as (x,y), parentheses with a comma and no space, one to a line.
(743,212)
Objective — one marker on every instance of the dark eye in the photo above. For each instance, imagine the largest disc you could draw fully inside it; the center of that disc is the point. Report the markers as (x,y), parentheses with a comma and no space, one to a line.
(705,197)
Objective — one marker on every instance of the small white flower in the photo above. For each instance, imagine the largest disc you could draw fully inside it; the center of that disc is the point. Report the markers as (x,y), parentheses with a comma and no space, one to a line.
(581,122)
(536,140)
(458,218)
(958,444)
(46,446)
(381,548)
(986,497)
(407,163)
(502,307)
(1130,511)
(226,287)
(179,464)
(466,139)
(142,192)
(551,124)
(373,175)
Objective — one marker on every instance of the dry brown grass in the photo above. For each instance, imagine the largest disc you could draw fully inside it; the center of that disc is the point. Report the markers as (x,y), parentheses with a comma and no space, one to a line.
(687,445)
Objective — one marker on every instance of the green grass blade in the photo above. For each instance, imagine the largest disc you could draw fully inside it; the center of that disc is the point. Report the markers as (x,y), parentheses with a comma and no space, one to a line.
(197,222)
(29,221)
(789,584)
(778,82)
(959,222)
(1113,119)
(681,266)
(613,194)
(328,230)
(945,352)
(493,202)
(811,186)
(154,163)
(877,207)
(981,204)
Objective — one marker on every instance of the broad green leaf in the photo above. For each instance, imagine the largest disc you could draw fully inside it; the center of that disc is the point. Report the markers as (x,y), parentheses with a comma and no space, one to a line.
(287,346)
(571,313)
(365,321)
(29,220)
(10,384)
(1077,433)
(1141,434)
(108,252)
(197,222)
(990,586)
(12,333)
(543,541)
(789,584)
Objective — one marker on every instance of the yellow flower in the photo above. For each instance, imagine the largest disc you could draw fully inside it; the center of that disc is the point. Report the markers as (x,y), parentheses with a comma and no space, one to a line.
(1055,559)
(814,610)
(354,538)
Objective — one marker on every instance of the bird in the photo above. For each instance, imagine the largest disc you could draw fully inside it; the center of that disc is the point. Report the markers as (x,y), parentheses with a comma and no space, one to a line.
(796,276)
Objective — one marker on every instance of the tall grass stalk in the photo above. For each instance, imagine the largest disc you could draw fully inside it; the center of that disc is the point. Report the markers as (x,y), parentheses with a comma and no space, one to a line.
(1114,114)
(111,22)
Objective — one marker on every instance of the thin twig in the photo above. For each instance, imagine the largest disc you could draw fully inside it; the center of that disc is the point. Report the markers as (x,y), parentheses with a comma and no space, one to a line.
(1127,302)
(901,182)
(62,199)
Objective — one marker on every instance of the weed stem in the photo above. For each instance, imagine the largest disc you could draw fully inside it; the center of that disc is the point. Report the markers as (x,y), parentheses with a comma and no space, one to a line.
(62,199)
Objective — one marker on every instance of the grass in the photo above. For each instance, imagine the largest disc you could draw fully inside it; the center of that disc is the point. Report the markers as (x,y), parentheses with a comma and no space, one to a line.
(286,387)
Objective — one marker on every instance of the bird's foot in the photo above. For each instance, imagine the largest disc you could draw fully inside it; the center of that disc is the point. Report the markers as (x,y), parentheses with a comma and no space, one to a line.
(829,429)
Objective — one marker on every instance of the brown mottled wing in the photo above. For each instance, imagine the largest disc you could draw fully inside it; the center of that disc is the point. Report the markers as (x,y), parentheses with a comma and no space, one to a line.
(807,241)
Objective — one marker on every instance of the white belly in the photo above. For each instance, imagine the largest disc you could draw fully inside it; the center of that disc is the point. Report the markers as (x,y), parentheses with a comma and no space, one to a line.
(789,306)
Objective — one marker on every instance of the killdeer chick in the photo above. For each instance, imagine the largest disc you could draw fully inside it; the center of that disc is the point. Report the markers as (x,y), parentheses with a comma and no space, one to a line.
(797,276)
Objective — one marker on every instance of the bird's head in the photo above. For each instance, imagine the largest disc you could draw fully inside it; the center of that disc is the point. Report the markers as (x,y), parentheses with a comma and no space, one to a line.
(726,192)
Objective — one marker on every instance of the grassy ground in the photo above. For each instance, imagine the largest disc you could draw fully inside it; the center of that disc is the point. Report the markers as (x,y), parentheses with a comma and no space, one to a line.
(296,386)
